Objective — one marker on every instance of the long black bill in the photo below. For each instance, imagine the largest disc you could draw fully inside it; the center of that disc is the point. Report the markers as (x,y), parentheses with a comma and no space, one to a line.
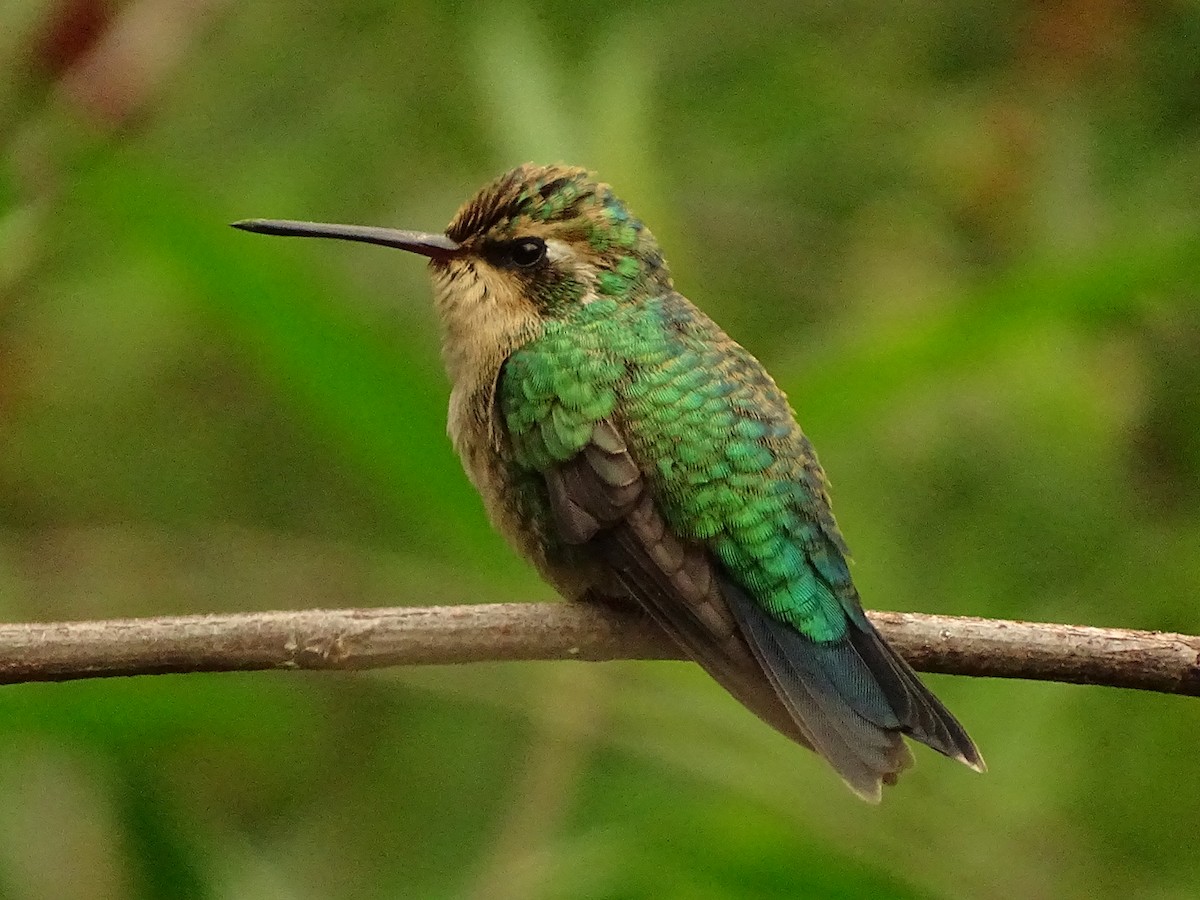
(435,246)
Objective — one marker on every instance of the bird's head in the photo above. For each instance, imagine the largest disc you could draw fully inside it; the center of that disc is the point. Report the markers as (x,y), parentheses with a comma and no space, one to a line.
(556,237)
(550,235)
(534,244)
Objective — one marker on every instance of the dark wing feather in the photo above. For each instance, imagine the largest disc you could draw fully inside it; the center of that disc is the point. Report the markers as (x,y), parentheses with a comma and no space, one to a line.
(599,499)
(850,700)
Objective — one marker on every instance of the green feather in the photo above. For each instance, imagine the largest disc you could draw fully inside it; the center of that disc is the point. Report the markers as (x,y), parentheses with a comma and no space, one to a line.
(732,476)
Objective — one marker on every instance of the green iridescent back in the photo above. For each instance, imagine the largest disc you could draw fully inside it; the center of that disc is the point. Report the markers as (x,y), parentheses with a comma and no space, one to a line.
(713,435)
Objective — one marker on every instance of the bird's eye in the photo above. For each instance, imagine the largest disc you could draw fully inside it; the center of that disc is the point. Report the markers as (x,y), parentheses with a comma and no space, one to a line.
(527,252)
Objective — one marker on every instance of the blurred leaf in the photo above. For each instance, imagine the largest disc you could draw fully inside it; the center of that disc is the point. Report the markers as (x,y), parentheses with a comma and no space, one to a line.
(1115,284)
(383,407)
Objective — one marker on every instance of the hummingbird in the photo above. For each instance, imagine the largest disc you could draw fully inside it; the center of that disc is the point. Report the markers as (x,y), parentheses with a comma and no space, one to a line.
(637,456)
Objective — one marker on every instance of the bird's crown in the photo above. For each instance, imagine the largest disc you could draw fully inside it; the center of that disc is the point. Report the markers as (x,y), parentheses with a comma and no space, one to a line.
(566,204)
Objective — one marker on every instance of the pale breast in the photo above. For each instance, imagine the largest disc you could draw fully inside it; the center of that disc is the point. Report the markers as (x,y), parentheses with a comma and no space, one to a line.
(515,501)
(484,319)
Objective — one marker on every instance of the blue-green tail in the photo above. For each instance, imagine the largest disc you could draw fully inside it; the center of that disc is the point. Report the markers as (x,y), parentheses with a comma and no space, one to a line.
(853,699)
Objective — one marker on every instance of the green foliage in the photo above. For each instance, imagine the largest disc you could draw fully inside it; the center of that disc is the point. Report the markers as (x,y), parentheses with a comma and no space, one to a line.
(964,239)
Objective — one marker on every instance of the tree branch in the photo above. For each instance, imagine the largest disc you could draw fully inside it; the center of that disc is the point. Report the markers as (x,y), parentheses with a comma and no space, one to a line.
(371,638)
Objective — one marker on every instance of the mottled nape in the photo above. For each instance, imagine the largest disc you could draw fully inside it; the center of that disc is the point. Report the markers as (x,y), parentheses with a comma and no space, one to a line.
(637,455)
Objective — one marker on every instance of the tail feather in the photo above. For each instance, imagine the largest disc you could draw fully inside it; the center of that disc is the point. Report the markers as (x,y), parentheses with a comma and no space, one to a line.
(853,698)
(922,715)
(860,766)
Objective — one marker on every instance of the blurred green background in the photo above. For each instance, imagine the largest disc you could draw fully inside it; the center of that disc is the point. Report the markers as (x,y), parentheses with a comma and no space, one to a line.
(964,236)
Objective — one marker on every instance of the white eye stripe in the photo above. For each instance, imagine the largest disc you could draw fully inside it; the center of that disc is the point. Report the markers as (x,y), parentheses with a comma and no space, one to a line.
(559,251)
